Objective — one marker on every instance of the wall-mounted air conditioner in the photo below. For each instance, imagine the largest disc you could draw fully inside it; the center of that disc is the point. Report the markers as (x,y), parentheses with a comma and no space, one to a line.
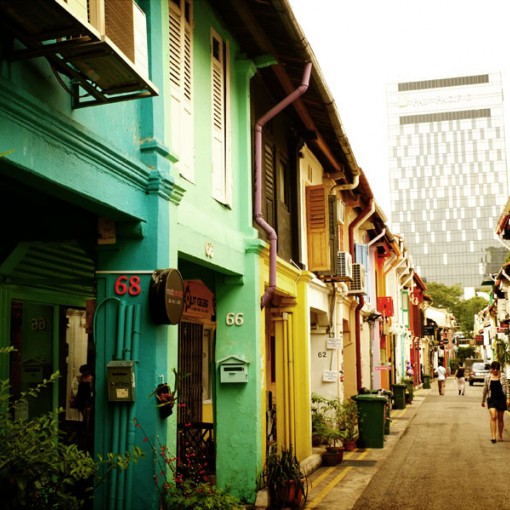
(126,27)
(344,266)
(358,279)
(502,305)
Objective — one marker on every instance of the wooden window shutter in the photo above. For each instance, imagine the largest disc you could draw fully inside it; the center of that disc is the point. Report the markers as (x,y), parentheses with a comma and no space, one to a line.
(269,184)
(317,228)
(180,43)
(218,116)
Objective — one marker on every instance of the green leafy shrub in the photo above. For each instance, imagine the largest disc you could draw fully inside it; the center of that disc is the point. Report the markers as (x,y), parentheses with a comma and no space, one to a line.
(186,484)
(37,469)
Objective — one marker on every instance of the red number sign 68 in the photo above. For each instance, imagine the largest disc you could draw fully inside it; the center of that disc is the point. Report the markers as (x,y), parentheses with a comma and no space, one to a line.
(129,285)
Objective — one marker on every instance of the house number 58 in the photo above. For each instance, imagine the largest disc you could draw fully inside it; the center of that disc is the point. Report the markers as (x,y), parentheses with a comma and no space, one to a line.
(234,319)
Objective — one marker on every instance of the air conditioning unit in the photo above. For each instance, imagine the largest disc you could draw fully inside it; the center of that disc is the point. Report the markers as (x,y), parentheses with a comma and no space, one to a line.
(126,26)
(502,305)
(358,279)
(344,266)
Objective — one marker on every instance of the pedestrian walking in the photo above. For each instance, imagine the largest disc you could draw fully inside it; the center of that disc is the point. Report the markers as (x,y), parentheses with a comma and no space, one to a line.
(82,398)
(496,393)
(461,380)
(441,378)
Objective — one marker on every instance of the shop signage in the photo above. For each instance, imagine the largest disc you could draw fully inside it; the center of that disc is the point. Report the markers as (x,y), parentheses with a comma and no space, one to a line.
(198,300)
(166,296)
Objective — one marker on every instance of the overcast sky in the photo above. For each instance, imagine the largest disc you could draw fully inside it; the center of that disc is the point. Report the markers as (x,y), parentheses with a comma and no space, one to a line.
(363,45)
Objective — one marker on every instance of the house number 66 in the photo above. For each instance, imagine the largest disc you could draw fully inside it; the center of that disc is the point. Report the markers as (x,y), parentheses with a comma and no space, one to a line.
(234,319)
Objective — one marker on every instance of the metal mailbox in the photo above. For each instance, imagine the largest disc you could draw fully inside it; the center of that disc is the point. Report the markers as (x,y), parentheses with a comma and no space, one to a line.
(121,381)
(233,370)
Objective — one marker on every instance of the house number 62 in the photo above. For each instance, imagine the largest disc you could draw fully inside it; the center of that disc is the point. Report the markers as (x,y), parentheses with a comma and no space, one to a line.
(234,319)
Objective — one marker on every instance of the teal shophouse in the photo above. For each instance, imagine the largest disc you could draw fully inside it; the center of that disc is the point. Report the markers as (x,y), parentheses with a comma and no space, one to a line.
(85,193)
(127,232)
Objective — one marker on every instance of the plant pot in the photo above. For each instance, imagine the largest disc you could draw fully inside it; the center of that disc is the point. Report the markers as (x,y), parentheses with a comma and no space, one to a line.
(165,401)
(333,457)
(349,445)
(316,439)
(290,494)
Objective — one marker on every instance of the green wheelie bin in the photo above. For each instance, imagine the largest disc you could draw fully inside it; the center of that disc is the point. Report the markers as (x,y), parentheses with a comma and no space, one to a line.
(371,418)
(399,393)
(426,382)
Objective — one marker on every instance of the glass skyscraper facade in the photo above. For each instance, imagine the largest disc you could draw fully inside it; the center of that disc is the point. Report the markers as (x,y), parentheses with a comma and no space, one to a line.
(448,174)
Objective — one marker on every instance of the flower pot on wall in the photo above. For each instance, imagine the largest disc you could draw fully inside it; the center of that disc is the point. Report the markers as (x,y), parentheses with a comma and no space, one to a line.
(165,400)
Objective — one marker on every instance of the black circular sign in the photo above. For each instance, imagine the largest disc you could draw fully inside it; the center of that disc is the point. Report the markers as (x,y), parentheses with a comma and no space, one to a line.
(166,296)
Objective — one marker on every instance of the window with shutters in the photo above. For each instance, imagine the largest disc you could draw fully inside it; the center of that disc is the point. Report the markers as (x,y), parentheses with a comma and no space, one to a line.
(180,38)
(284,183)
(318,233)
(221,169)
(269,185)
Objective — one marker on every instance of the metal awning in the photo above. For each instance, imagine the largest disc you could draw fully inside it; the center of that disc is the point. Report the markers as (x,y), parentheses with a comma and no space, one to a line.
(99,72)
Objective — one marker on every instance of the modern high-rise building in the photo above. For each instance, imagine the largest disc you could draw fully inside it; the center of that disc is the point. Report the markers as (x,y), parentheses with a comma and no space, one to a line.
(448,175)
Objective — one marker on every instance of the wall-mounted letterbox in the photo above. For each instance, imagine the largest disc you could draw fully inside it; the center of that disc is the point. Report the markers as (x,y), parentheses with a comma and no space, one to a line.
(233,370)
(121,381)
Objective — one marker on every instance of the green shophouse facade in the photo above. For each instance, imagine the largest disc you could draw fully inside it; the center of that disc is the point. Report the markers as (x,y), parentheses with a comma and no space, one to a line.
(98,191)
(85,194)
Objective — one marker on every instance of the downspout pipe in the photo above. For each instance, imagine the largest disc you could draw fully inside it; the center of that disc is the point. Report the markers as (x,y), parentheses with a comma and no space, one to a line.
(357,319)
(359,220)
(369,210)
(376,238)
(270,231)
(349,186)
(407,281)
(500,240)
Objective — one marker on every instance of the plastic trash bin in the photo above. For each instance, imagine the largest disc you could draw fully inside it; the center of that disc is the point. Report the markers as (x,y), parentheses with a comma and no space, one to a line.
(371,417)
(399,391)
(387,412)
(410,388)
(426,382)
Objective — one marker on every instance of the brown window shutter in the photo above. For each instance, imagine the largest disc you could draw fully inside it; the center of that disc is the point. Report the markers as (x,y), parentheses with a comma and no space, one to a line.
(317,228)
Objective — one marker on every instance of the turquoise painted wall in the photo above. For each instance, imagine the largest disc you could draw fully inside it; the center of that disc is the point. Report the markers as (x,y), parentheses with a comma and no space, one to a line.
(112,161)
(199,219)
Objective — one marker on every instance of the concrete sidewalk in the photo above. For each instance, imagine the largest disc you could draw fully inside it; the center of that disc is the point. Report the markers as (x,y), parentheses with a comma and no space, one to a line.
(339,487)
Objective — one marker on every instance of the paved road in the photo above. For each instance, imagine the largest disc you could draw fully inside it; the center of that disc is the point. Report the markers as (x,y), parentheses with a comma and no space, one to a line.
(438,455)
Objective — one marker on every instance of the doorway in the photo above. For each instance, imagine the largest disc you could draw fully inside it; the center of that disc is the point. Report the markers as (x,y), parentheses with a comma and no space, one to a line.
(46,338)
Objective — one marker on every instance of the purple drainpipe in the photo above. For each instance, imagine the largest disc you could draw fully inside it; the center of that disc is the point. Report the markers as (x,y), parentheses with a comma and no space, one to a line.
(367,212)
(271,233)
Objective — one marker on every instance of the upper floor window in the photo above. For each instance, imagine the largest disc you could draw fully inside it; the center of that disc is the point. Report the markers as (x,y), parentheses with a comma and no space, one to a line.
(221,169)
(180,37)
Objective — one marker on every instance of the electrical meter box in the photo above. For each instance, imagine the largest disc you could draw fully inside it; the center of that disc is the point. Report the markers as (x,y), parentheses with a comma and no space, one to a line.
(233,370)
(121,381)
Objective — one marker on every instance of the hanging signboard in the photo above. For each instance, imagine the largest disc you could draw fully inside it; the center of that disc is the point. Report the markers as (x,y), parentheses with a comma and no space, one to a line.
(329,376)
(334,343)
(198,300)
(166,296)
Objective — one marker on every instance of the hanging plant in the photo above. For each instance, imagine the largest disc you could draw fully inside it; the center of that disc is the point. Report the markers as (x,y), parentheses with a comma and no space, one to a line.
(165,396)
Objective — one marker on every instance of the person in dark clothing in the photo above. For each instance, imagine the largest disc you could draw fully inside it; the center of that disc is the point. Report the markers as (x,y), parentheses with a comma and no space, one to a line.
(82,396)
(461,379)
(496,393)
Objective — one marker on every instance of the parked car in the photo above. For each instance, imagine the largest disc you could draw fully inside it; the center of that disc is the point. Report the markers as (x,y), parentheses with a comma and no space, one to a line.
(478,373)
(468,363)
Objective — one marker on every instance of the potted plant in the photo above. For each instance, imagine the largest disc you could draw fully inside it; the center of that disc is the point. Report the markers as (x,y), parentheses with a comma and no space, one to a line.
(319,422)
(334,453)
(165,396)
(284,478)
(348,424)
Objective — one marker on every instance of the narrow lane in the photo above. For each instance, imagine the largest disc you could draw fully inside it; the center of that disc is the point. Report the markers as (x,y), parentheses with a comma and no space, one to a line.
(438,455)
